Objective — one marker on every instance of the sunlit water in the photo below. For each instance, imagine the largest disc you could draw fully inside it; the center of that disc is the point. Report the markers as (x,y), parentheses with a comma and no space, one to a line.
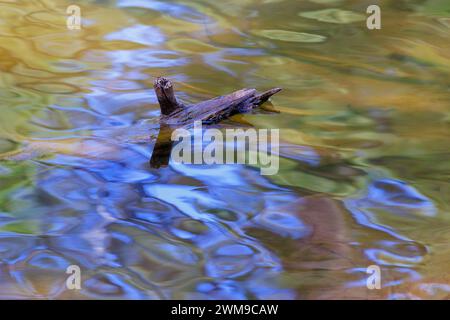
(364,178)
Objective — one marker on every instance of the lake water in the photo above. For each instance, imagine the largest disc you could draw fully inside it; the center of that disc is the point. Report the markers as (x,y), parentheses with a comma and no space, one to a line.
(364,175)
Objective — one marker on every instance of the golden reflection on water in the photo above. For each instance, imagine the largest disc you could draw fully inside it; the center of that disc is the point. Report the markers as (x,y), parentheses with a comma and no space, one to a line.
(364,176)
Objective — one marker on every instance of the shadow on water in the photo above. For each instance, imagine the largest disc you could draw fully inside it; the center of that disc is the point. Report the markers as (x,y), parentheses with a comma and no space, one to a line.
(163,148)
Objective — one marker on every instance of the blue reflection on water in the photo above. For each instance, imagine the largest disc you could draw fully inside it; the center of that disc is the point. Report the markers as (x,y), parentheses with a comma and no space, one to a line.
(177,10)
(393,196)
(146,35)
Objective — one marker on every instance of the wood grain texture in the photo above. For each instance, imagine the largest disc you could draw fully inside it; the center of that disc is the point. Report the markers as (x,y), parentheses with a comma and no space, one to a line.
(210,111)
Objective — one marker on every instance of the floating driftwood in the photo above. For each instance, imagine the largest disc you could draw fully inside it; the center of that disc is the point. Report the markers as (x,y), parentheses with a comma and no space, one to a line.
(210,111)
(175,114)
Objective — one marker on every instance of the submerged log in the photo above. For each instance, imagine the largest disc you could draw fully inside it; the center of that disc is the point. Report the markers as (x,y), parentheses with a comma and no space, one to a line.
(175,114)
(210,111)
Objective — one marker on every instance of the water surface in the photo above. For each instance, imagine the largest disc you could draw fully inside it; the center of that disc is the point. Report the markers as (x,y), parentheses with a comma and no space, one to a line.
(364,125)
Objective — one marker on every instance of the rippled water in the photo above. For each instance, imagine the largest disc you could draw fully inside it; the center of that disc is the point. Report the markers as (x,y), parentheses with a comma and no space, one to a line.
(364,174)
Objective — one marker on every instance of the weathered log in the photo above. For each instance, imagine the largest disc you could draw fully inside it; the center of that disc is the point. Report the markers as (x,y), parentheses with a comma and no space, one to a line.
(211,111)
(175,114)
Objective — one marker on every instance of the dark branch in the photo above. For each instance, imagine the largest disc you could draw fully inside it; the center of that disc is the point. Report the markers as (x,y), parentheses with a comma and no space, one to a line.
(166,97)
(210,111)
(174,114)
